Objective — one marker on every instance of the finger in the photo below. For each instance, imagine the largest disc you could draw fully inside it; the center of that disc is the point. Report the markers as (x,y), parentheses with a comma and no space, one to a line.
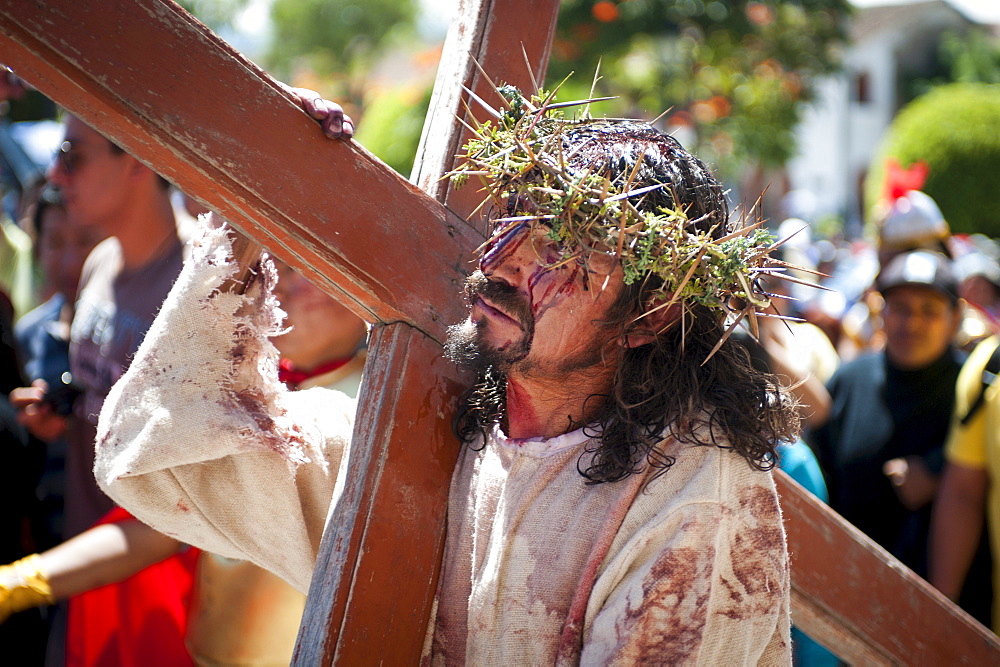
(895,470)
(337,124)
(24,396)
(315,105)
(34,417)
(38,410)
(335,128)
(333,109)
(348,126)
(310,101)
(333,121)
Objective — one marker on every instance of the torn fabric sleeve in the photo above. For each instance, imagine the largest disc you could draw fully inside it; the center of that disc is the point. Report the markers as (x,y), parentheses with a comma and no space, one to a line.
(201,421)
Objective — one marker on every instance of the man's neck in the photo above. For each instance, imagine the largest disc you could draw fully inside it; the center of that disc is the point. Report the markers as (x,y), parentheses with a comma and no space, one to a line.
(547,407)
(151,229)
(938,362)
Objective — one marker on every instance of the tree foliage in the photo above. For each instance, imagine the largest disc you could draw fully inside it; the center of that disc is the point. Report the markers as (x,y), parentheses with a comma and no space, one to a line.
(393,121)
(332,46)
(953,128)
(335,36)
(963,56)
(215,14)
(736,73)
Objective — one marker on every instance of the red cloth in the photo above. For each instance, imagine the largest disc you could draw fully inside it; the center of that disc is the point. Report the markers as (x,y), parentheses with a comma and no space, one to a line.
(139,622)
(900,180)
(292,377)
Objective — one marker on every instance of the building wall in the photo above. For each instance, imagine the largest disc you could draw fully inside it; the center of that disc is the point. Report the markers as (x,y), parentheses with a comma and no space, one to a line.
(842,129)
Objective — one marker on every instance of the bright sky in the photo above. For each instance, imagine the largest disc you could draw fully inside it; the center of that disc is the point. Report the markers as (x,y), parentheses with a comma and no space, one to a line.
(437,15)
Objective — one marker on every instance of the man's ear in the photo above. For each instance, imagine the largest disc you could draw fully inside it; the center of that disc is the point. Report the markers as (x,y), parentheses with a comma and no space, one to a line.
(647,327)
(137,171)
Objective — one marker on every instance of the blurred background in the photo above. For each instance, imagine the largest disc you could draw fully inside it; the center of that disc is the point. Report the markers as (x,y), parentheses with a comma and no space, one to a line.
(803,98)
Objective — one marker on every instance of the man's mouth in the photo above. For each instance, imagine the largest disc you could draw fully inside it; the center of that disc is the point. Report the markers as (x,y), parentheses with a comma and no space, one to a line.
(493,311)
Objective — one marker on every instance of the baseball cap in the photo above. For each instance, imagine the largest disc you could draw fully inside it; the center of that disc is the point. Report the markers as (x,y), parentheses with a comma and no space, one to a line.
(922,268)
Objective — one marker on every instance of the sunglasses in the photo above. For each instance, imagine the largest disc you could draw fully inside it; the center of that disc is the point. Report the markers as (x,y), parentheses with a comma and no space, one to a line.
(70,157)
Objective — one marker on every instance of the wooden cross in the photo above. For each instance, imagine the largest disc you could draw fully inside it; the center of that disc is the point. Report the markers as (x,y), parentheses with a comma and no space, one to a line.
(161,85)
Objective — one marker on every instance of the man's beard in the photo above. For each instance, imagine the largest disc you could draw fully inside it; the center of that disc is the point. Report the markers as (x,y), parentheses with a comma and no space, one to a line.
(465,344)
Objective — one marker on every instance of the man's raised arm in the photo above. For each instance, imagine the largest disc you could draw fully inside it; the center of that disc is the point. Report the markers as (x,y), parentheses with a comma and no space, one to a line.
(200,440)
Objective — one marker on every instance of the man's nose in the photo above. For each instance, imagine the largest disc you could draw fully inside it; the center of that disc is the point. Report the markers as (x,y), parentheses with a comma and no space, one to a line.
(56,173)
(504,259)
(501,269)
(913,322)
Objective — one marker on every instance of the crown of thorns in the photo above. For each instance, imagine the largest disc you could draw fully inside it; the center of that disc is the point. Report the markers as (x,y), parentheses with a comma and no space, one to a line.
(520,158)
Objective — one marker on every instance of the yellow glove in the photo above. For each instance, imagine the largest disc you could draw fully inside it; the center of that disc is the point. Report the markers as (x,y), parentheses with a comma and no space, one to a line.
(23,585)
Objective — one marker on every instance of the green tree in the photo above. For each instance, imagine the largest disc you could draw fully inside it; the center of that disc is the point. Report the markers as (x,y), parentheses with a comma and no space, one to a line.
(215,14)
(973,57)
(335,36)
(332,46)
(393,122)
(963,56)
(737,73)
(953,128)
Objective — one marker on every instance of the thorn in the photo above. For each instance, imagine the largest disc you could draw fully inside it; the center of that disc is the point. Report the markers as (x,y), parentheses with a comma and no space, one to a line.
(531,74)
(492,85)
(493,112)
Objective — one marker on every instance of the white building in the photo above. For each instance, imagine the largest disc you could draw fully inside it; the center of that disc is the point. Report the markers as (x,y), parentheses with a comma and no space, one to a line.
(842,129)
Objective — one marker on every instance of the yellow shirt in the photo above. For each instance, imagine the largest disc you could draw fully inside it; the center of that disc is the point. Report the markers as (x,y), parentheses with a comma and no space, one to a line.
(17,274)
(977,444)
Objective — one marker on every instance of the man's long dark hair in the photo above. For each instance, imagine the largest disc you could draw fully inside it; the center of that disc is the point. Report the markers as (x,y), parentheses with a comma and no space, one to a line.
(670,386)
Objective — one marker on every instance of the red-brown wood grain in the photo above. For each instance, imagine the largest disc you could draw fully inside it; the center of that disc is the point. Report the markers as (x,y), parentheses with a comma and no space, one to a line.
(372,591)
(851,595)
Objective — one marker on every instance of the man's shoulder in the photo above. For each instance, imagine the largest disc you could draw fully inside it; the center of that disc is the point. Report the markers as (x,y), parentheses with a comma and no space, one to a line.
(706,473)
(863,362)
(981,354)
(109,248)
(979,375)
(860,369)
(710,494)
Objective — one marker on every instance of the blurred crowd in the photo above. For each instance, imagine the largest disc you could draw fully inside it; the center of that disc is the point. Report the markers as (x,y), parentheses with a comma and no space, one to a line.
(92,241)
(892,362)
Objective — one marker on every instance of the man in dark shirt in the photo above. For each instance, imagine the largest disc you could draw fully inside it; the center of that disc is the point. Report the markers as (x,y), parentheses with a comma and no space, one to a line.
(882,447)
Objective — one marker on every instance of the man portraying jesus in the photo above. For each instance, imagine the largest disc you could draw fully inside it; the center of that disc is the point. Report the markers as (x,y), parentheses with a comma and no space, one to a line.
(613,501)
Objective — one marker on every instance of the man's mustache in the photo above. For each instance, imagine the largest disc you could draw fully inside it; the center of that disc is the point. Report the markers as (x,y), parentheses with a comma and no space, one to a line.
(501,295)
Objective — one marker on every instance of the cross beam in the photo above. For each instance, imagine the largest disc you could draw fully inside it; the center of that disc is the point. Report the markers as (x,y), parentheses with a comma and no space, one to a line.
(164,87)
(173,94)
(390,518)
(851,595)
